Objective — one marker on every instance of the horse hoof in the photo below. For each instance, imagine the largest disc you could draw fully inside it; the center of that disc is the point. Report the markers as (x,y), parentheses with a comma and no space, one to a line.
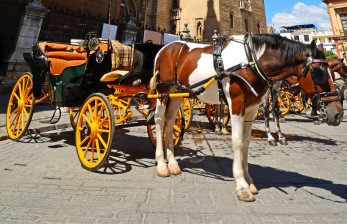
(253,189)
(163,171)
(272,142)
(283,141)
(225,132)
(174,170)
(282,120)
(245,196)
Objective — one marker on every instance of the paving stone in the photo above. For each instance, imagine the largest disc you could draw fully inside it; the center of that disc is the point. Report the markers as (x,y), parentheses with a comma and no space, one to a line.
(303,182)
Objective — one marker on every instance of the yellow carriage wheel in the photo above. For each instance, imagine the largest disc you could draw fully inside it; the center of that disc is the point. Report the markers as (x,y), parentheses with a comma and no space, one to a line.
(20,107)
(121,109)
(94,132)
(283,102)
(210,111)
(178,130)
(297,105)
(188,112)
(74,112)
(198,103)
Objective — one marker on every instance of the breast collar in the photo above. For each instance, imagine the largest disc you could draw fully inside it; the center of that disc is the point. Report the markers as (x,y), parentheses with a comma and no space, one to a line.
(253,61)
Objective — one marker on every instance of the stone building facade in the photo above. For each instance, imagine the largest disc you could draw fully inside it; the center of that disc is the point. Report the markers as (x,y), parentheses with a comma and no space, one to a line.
(62,20)
(337,10)
(231,17)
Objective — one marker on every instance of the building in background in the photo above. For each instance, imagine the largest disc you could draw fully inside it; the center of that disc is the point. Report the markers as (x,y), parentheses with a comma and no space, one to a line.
(308,32)
(337,10)
(230,17)
(270,29)
(63,20)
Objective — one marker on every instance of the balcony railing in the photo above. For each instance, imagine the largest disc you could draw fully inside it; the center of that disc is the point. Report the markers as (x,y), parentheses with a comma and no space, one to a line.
(245,5)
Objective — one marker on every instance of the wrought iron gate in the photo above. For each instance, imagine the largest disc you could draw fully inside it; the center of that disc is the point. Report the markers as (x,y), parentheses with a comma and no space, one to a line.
(62,25)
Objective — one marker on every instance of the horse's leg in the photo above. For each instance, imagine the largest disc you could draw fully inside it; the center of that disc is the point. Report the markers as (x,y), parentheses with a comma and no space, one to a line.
(247,131)
(159,118)
(240,147)
(170,117)
(270,139)
(217,119)
(222,119)
(276,108)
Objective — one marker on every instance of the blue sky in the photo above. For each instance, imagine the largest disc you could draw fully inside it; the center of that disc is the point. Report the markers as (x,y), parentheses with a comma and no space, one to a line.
(293,12)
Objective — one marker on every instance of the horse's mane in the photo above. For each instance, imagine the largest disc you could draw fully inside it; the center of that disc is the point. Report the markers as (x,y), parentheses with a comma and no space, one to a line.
(289,48)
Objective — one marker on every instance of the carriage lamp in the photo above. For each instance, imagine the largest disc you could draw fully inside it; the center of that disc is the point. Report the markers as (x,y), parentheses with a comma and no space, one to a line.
(93,44)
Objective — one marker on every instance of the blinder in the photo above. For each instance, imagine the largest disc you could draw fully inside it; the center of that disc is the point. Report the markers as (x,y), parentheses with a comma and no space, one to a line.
(319,75)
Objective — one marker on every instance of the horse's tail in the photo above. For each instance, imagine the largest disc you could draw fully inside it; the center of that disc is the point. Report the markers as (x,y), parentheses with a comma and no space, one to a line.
(153,82)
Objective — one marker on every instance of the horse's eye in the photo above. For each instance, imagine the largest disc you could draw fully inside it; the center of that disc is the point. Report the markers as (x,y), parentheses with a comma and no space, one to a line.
(319,75)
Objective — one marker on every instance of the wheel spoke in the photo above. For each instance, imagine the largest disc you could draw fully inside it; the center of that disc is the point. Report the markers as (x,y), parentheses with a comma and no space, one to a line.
(15,118)
(98,148)
(18,123)
(15,95)
(101,110)
(15,110)
(87,147)
(20,90)
(87,119)
(96,109)
(102,141)
(176,128)
(90,112)
(175,135)
(103,120)
(84,140)
(104,130)
(92,152)
(22,120)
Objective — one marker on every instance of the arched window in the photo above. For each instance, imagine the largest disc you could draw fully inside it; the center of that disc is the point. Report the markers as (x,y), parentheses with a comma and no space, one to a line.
(231,20)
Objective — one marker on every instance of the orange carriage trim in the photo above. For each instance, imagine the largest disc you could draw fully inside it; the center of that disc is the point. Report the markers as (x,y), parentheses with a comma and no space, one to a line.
(62,56)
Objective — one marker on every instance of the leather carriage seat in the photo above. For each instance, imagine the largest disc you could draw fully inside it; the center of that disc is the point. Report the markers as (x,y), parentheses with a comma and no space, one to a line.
(62,56)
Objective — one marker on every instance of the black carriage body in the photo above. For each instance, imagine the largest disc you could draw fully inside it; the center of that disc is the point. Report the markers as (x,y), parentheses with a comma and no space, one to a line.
(74,84)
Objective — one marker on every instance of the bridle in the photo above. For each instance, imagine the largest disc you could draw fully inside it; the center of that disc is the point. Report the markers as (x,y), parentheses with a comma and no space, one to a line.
(319,77)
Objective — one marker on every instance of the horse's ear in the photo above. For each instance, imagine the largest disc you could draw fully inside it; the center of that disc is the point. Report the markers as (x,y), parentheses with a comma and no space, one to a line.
(313,47)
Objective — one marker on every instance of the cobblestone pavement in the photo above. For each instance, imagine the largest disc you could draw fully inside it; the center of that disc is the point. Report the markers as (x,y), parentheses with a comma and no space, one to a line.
(42,180)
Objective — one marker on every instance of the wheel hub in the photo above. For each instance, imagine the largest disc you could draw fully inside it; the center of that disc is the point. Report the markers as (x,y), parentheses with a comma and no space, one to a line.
(94,131)
(20,105)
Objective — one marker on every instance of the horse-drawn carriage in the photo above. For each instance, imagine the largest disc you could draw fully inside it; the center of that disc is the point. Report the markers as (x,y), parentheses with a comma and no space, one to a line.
(83,78)
(100,95)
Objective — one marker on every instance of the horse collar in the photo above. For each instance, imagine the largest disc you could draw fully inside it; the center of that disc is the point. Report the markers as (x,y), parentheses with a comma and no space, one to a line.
(253,61)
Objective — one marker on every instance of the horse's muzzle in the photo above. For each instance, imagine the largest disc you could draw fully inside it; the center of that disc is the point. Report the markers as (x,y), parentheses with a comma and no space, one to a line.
(334,113)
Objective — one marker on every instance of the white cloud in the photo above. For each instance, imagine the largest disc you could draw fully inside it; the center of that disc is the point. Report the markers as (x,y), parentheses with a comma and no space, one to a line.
(303,14)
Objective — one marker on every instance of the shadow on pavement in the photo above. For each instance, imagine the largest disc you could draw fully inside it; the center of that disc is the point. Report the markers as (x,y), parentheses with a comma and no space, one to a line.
(264,177)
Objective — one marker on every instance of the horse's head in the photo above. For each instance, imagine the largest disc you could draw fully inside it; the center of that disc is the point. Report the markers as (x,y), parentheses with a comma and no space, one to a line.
(316,81)
(280,58)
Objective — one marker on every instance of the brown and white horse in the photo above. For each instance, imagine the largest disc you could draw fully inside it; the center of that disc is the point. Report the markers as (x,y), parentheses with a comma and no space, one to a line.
(187,64)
